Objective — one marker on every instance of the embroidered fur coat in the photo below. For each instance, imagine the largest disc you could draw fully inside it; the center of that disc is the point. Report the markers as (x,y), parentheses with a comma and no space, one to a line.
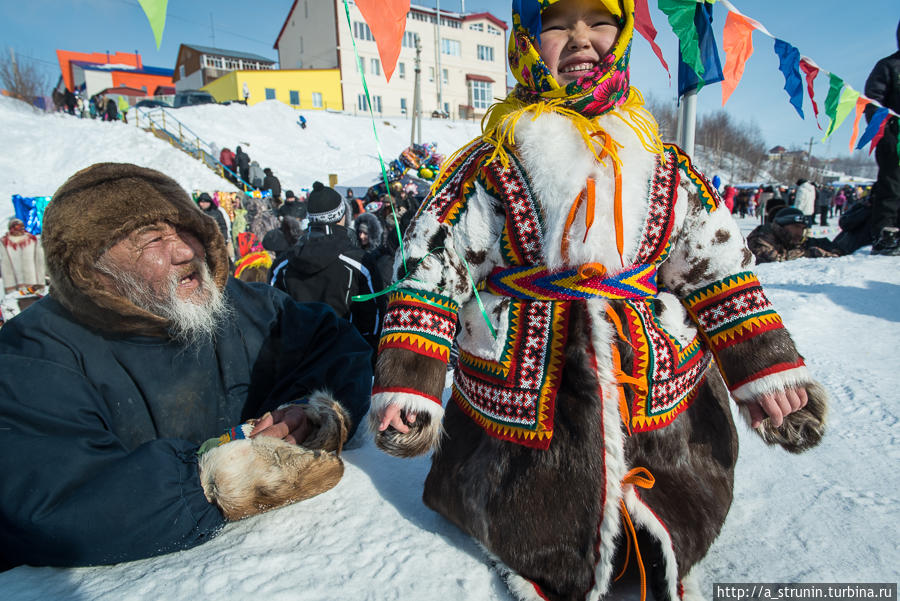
(596,401)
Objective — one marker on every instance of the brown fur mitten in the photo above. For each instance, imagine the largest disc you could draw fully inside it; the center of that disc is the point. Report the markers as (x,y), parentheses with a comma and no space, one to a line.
(249,476)
(801,430)
(423,436)
(330,422)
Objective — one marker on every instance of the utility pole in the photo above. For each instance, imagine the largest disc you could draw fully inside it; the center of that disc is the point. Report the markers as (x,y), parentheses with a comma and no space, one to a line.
(15,67)
(688,121)
(417,100)
(437,49)
(212,28)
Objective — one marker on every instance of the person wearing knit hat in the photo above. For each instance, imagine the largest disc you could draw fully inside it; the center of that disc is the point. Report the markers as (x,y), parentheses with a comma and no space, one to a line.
(143,351)
(589,275)
(327,266)
(292,207)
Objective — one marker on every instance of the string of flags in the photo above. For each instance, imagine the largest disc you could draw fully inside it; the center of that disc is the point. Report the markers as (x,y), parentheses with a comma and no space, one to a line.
(695,40)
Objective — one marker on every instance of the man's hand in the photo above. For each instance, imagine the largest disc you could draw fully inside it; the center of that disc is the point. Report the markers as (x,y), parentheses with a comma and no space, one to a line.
(776,405)
(289,424)
(393,416)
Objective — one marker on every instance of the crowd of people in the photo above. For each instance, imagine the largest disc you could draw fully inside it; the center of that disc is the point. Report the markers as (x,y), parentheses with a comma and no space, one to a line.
(105,107)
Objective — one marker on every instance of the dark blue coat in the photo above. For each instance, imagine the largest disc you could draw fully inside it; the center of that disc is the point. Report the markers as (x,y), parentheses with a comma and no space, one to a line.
(98,434)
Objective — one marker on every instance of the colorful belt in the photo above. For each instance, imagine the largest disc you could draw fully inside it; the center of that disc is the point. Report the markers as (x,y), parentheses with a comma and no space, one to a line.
(589,281)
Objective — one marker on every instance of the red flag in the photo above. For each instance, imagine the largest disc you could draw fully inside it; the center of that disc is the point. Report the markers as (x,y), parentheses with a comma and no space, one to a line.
(387,20)
(878,136)
(644,25)
(811,70)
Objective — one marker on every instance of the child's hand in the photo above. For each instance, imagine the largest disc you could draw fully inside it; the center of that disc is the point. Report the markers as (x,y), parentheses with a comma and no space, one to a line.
(776,405)
(393,417)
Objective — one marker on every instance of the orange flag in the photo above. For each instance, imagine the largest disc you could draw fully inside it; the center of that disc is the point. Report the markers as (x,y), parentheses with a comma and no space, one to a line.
(387,20)
(861,103)
(737,42)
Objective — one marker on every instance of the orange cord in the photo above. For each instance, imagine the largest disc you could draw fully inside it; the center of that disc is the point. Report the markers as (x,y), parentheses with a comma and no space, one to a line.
(639,476)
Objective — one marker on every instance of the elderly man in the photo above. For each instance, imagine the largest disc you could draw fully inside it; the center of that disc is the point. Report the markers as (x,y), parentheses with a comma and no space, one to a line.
(785,239)
(150,398)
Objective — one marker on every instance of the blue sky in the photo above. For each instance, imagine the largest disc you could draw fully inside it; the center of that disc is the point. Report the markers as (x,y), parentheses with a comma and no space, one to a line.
(847,43)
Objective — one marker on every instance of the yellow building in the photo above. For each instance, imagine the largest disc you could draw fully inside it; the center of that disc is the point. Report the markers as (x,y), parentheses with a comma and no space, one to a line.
(307,89)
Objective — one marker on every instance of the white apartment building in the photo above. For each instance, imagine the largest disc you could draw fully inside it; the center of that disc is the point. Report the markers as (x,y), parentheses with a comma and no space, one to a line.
(466,70)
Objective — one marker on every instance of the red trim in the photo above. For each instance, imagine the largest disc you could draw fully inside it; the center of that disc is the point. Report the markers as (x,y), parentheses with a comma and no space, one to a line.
(748,334)
(777,368)
(441,353)
(413,391)
(717,298)
(288,18)
(476,77)
(498,22)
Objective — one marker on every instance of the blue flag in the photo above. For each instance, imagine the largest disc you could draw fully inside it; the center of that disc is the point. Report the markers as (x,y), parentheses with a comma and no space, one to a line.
(789,64)
(872,129)
(709,53)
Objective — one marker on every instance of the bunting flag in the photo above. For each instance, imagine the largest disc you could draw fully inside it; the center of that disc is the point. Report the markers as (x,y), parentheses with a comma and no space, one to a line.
(644,25)
(835,84)
(688,77)
(861,103)
(875,124)
(879,134)
(737,42)
(789,64)
(387,20)
(810,69)
(156,14)
(681,16)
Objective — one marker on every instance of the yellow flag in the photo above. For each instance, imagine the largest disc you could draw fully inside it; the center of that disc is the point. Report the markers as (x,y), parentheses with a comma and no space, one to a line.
(845,105)
(156,14)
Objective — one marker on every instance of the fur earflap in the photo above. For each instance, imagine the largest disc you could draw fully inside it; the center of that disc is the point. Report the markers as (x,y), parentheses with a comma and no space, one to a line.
(801,430)
(250,476)
(330,421)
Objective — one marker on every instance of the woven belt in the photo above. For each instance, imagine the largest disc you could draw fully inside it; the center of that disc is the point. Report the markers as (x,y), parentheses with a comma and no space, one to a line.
(539,283)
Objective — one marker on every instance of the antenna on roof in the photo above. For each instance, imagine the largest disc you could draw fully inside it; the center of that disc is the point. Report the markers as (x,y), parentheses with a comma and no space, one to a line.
(462,7)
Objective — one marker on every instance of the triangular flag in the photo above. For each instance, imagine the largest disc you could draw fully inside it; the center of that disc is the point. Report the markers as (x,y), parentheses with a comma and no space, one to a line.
(737,42)
(874,126)
(835,84)
(811,70)
(789,64)
(156,14)
(644,25)
(688,77)
(681,18)
(845,105)
(387,20)
(861,103)
(880,134)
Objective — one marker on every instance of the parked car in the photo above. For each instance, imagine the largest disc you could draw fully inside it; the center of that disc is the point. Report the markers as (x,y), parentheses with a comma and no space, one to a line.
(152,104)
(192,97)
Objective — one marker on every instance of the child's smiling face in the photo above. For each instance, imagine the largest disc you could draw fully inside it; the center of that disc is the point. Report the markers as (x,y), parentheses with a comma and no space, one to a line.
(575,36)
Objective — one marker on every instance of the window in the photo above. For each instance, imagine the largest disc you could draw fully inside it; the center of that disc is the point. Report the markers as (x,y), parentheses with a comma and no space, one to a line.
(409,39)
(447,107)
(362,66)
(430,73)
(295,97)
(403,106)
(401,70)
(481,94)
(451,23)
(270,93)
(445,77)
(376,66)
(485,53)
(493,30)
(181,71)
(361,103)
(376,103)
(231,64)
(477,26)
(317,100)
(450,47)
(361,31)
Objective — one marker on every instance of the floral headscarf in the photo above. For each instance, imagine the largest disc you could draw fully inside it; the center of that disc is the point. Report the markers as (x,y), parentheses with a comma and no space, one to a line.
(596,92)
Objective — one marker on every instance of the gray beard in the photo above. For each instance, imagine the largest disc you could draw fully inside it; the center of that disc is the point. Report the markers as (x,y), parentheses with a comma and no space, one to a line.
(193,321)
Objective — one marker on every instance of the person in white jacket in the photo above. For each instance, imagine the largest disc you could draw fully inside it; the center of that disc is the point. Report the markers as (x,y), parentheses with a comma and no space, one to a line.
(805,199)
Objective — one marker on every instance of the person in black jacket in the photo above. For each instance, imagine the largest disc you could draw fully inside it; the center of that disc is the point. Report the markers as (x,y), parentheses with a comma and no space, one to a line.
(242,161)
(292,207)
(327,266)
(150,397)
(270,182)
(883,85)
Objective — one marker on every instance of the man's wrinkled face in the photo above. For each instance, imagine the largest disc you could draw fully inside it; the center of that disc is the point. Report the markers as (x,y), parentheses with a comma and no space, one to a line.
(16,228)
(575,36)
(167,260)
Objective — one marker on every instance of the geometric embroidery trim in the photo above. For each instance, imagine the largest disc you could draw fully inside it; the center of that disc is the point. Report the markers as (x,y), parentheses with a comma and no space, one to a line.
(662,194)
(732,309)
(709,197)
(539,283)
(419,321)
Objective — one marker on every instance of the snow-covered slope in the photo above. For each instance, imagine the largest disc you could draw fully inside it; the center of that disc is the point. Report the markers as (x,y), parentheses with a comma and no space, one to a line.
(829,515)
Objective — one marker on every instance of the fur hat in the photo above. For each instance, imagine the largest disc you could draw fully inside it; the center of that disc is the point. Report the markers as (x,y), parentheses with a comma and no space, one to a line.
(324,205)
(96,208)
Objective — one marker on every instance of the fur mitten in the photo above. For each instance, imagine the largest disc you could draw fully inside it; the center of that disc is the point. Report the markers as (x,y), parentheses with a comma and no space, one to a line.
(249,476)
(801,430)
(330,422)
(423,436)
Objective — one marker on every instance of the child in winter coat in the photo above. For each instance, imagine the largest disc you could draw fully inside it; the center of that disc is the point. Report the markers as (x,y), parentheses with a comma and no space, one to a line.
(603,304)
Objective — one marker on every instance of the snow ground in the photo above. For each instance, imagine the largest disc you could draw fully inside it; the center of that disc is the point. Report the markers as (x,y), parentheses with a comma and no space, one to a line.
(829,515)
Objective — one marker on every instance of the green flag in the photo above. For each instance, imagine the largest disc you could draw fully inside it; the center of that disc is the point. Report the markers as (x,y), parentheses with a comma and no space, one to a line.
(845,105)
(681,18)
(835,84)
(156,14)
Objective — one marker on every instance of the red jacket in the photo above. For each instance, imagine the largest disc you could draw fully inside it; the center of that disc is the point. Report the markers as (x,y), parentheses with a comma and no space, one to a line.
(226,157)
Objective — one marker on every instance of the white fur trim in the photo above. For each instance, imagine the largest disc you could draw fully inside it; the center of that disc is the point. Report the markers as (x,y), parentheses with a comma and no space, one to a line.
(521,588)
(642,516)
(797,376)
(408,401)
(690,584)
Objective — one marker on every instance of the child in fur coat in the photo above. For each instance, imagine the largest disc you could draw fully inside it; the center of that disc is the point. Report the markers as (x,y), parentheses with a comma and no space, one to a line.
(604,306)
